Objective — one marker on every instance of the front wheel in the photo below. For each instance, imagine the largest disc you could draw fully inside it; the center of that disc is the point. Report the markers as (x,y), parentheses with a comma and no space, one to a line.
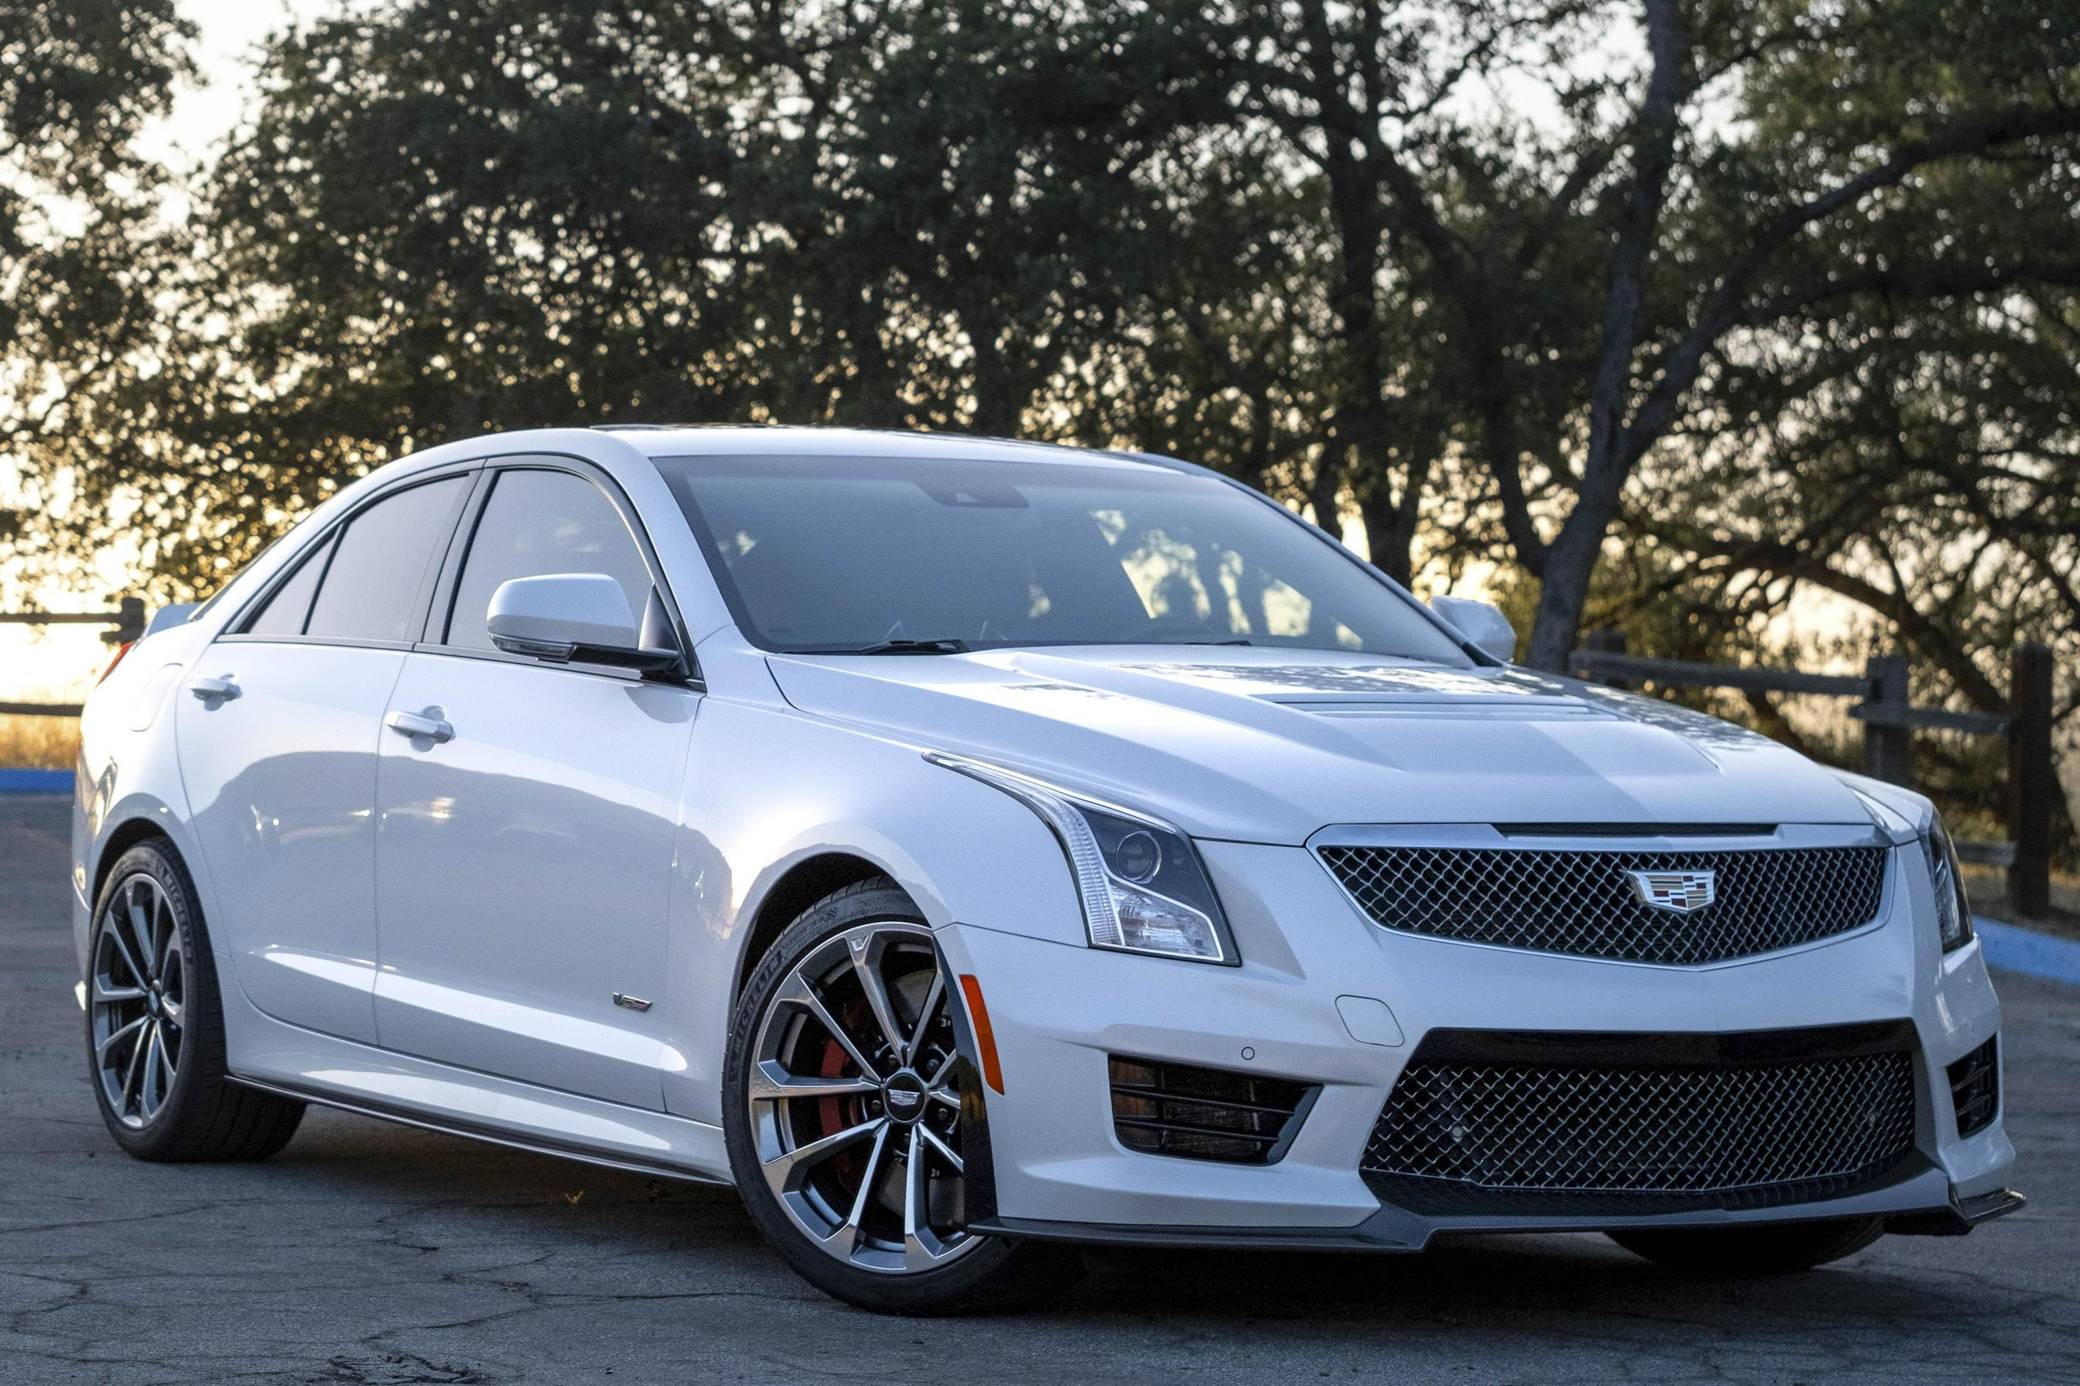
(1732,1252)
(842,1113)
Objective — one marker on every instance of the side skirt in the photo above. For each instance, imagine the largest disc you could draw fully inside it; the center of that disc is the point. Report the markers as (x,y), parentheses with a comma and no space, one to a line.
(452,1127)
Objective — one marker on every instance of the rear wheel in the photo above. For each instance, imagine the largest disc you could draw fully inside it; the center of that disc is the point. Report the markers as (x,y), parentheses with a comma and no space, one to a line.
(155,1028)
(843,1116)
(1733,1252)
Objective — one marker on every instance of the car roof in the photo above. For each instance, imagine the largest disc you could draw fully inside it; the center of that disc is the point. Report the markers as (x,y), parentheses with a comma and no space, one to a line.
(741,440)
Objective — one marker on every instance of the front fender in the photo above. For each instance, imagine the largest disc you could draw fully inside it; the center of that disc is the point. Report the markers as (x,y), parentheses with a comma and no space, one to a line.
(768,789)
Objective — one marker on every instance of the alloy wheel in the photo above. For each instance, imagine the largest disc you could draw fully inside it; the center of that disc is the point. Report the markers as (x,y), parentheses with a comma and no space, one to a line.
(137,996)
(855,1108)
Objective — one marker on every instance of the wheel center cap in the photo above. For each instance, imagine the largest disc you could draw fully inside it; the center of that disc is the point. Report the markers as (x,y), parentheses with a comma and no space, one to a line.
(151,1001)
(903,1096)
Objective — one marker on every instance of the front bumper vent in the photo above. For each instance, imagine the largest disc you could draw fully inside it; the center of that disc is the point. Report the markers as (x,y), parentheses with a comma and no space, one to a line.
(1585,902)
(1492,1121)
(1205,1113)
(1975,1088)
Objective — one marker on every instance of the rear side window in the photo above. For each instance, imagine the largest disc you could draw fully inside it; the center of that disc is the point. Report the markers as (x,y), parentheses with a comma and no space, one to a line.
(371,587)
(539,522)
(285,612)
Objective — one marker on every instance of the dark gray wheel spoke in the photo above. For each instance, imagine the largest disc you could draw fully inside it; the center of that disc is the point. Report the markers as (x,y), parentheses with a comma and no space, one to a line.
(799,992)
(108,1042)
(846,1237)
(141,936)
(135,1071)
(925,1015)
(772,1083)
(151,1091)
(169,939)
(866,963)
(932,1139)
(786,1169)
(113,931)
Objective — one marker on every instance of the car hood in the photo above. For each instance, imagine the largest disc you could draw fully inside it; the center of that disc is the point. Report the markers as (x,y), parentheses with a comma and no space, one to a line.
(1270,745)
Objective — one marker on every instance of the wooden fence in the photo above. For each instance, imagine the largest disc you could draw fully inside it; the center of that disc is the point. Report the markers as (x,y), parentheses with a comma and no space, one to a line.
(1882,705)
(1889,721)
(127,621)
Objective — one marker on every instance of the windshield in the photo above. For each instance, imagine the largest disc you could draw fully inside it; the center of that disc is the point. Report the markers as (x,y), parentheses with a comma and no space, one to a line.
(834,554)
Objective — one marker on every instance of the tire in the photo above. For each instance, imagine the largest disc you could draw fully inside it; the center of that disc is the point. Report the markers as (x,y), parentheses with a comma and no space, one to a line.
(884,1153)
(1739,1252)
(152,1009)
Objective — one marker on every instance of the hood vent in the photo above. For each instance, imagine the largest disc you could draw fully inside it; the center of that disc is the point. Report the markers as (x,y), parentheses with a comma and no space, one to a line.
(1517,709)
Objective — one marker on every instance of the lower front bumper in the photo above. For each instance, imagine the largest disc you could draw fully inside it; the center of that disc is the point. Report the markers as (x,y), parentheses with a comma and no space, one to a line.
(1918,1203)
(1058,1167)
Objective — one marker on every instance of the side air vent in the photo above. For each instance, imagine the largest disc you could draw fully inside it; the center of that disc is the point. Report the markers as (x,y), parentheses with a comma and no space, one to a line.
(1205,1113)
(1975,1088)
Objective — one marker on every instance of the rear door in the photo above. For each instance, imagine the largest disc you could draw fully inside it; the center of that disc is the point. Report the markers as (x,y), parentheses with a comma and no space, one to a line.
(277,736)
(524,862)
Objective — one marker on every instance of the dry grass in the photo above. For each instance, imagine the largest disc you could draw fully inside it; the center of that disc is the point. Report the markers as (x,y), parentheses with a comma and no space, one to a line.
(38,743)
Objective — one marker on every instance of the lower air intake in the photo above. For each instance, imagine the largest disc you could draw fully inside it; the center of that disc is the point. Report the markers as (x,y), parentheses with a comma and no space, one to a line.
(1975,1088)
(1501,1121)
(1204,1113)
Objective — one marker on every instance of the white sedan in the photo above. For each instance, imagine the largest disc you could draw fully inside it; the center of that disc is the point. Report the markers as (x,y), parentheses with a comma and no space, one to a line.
(973,850)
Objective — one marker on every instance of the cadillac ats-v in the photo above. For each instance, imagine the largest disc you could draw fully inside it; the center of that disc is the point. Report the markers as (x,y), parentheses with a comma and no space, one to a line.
(974,850)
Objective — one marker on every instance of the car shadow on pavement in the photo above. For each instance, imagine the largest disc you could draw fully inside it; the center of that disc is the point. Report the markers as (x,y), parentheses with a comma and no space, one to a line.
(440,1188)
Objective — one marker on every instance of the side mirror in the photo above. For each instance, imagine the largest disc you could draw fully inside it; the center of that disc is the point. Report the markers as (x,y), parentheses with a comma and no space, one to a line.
(1481,622)
(581,617)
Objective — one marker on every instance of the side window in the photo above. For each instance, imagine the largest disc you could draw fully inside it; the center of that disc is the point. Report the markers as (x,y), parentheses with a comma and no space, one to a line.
(285,612)
(539,522)
(371,588)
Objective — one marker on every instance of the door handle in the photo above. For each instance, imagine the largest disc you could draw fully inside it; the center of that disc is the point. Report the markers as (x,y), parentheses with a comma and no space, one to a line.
(207,688)
(434,729)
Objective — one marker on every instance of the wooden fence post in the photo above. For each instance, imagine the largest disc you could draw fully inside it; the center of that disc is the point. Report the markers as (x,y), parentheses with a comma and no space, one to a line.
(1609,640)
(2030,781)
(1888,750)
(129,623)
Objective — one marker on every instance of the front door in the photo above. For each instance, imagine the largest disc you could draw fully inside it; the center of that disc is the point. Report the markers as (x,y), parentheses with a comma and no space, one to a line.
(524,851)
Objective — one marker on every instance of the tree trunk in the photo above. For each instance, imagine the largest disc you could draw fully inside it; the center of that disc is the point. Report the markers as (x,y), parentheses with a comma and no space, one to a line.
(1570,563)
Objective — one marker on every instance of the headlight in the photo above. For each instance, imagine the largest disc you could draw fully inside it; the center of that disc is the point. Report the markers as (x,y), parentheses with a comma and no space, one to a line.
(1953,906)
(1142,887)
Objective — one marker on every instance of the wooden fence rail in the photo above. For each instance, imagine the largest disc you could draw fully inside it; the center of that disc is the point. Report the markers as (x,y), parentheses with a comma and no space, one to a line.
(1889,720)
(126,624)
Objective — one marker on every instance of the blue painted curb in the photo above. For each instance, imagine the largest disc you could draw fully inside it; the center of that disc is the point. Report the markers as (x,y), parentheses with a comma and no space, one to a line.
(35,781)
(2015,949)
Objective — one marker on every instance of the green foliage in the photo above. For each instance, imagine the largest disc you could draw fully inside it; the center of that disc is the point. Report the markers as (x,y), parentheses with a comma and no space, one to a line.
(1680,312)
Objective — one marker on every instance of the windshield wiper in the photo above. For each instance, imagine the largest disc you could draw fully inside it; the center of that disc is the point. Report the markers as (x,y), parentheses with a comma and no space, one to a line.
(907,647)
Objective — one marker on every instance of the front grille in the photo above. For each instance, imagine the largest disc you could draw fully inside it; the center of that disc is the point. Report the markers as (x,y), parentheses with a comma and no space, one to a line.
(1639,1124)
(1975,1089)
(1204,1113)
(1582,902)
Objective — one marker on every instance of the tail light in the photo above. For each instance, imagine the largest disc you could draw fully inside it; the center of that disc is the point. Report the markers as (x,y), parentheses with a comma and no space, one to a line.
(121,650)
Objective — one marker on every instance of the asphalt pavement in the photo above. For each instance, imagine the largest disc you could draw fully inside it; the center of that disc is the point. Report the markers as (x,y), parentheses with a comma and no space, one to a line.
(373,1253)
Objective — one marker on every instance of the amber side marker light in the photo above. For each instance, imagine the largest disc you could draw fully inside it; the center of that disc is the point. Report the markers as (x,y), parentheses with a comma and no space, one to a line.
(985,1037)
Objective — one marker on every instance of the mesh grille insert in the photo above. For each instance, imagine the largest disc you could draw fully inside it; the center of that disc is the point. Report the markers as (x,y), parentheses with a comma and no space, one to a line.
(1741,1133)
(1203,1113)
(1584,903)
